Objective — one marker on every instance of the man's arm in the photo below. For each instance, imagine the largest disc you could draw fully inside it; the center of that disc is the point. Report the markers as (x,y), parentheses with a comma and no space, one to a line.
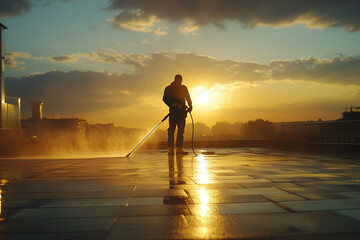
(188,99)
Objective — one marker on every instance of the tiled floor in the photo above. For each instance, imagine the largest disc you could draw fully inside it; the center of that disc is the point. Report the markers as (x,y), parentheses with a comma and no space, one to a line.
(248,193)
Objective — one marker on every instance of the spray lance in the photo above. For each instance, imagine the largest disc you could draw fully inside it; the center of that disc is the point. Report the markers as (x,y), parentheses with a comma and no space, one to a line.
(149,134)
(192,136)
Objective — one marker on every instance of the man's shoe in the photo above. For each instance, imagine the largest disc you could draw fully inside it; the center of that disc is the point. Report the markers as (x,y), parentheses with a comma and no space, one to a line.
(181,151)
(171,151)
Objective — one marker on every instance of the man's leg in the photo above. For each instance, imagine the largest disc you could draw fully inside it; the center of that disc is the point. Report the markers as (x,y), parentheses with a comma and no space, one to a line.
(180,132)
(180,137)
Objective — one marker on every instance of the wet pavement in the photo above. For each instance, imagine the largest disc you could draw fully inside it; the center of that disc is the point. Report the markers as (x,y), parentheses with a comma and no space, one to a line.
(249,193)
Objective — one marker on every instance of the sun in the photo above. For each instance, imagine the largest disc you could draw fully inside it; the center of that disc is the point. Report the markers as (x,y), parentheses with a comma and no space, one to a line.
(201,96)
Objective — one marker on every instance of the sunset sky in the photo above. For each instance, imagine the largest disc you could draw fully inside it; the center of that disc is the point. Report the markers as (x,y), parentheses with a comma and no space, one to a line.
(110,60)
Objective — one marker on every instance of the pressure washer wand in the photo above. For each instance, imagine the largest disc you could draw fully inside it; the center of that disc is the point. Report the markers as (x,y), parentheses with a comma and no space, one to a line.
(149,134)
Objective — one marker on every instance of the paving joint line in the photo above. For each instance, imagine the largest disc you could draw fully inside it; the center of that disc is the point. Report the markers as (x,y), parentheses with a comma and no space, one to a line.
(296,194)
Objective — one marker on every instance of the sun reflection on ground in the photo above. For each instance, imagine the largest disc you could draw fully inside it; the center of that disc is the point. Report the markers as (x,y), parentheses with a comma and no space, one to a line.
(202,175)
(204,199)
(203,178)
(203,208)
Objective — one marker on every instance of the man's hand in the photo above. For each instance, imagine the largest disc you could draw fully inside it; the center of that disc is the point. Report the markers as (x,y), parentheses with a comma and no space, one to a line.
(189,108)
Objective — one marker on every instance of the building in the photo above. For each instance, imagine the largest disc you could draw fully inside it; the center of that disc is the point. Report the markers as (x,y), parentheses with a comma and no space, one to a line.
(38,128)
(10,112)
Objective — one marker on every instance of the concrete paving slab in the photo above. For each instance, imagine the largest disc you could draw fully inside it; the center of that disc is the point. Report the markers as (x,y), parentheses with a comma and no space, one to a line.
(225,199)
(57,236)
(350,194)
(317,189)
(159,193)
(267,184)
(321,196)
(353,213)
(279,197)
(316,205)
(240,181)
(99,202)
(243,208)
(235,194)
(218,186)
(38,225)
(91,212)
(252,191)
(144,201)
(67,195)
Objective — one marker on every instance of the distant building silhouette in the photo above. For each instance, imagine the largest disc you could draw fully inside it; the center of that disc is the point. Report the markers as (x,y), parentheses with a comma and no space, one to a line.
(37,110)
(38,128)
(344,130)
(351,114)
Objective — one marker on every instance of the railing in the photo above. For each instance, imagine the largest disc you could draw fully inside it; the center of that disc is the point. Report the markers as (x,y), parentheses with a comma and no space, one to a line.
(338,131)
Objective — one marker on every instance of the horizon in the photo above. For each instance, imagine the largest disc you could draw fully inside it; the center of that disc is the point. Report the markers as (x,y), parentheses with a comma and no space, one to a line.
(109,61)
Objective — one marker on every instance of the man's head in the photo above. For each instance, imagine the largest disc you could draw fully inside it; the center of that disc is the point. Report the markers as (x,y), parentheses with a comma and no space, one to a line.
(178,79)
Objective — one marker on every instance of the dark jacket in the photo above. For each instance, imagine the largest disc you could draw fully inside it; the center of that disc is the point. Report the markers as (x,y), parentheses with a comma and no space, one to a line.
(176,93)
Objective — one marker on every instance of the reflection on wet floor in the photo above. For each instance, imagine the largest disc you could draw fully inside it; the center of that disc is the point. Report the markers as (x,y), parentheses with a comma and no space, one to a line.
(0,206)
(236,193)
(2,183)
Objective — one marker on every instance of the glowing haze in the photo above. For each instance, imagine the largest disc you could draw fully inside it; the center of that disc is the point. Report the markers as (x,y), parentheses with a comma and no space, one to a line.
(110,60)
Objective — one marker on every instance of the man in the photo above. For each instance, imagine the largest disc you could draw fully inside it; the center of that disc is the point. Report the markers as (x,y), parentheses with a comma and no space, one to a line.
(174,96)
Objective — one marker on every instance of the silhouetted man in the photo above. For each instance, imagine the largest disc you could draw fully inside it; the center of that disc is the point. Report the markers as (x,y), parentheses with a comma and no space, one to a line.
(174,96)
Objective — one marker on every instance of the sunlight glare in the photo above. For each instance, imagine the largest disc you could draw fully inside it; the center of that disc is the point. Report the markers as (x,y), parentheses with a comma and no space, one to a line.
(202,96)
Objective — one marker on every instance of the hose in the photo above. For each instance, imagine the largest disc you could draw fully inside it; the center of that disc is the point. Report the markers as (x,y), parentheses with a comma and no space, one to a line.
(192,134)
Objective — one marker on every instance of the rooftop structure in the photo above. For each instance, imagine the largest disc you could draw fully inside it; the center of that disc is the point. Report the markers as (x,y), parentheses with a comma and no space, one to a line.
(10,110)
(352,114)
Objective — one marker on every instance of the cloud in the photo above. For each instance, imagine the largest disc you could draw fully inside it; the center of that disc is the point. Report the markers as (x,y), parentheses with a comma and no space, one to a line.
(138,21)
(12,62)
(71,93)
(250,13)
(12,8)
(341,70)
(133,59)
(64,58)
(189,28)
(229,84)
(207,70)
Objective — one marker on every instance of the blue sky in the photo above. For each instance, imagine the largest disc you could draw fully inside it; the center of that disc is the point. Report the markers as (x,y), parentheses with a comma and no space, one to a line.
(85,35)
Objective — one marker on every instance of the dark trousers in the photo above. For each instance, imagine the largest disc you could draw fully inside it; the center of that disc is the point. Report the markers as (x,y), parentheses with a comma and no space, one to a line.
(179,121)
